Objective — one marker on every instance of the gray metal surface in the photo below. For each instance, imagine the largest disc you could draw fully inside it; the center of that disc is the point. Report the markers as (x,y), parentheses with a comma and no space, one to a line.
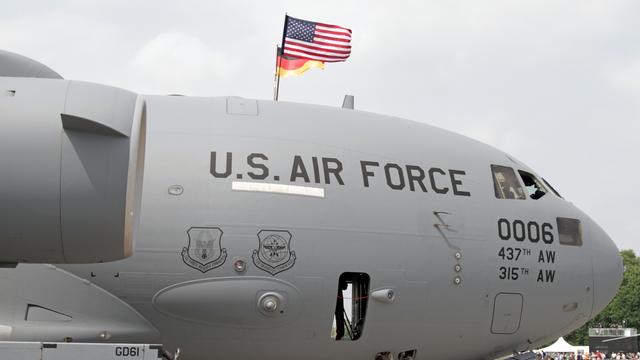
(16,65)
(45,303)
(348,102)
(69,150)
(251,210)
(67,351)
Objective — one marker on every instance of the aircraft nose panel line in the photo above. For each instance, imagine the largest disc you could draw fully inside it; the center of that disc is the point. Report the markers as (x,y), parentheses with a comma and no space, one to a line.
(607,268)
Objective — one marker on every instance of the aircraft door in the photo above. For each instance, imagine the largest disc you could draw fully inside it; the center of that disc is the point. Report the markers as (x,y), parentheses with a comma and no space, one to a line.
(507,313)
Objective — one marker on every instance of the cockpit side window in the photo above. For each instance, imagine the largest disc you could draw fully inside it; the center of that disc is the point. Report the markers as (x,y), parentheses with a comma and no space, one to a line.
(534,187)
(506,184)
(569,231)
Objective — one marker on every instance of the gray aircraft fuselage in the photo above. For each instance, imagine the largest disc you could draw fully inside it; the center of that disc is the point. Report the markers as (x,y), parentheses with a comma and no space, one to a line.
(243,199)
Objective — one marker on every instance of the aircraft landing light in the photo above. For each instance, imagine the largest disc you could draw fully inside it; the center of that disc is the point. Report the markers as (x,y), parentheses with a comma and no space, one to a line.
(278,188)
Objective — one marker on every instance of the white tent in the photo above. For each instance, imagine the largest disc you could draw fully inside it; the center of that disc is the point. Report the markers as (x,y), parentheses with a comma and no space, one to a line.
(561,346)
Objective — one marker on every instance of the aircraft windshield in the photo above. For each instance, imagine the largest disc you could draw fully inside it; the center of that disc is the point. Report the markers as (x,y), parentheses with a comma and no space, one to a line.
(534,187)
(506,184)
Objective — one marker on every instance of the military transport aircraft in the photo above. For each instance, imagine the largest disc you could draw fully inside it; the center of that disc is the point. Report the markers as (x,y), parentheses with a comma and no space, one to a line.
(240,228)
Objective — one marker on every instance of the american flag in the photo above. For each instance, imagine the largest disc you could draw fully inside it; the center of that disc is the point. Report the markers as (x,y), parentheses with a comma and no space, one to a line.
(316,41)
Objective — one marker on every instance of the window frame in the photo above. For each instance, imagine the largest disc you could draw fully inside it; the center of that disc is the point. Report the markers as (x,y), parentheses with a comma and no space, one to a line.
(497,189)
(536,180)
(578,235)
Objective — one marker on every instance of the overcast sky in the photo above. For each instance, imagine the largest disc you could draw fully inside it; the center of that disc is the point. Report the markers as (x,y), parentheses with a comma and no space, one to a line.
(554,83)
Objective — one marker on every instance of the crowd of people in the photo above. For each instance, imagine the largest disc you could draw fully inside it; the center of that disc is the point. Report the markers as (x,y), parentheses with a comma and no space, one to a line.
(593,356)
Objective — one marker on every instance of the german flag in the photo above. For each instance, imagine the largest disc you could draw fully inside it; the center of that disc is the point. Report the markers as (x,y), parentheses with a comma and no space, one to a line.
(290,66)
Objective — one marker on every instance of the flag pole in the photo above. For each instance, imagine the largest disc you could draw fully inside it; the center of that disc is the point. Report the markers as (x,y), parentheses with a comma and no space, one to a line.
(276,78)
(284,34)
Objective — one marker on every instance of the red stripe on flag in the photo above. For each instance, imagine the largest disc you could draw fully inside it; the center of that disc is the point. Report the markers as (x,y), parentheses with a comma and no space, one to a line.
(333,26)
(330,44)
(291,64)
(318,53)
(332,32)
(311,54)
(317,58)
(305,45)
(331,38)
(319,43)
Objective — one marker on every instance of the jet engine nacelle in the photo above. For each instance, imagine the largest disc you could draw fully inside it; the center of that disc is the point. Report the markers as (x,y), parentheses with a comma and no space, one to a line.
(71,156)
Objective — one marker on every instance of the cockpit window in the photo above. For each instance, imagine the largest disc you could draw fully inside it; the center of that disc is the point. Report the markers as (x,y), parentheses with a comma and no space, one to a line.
(506,184)
(534,187)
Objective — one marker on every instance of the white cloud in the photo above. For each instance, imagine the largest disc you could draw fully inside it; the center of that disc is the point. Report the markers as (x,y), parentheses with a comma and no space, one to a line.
(178,63)
(73,45)
(625,76)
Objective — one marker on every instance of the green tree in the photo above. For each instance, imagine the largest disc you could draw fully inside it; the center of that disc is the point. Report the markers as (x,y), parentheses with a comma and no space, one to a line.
(624,309)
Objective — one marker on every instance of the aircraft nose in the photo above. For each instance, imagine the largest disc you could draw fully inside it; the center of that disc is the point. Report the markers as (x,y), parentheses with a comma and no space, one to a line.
(607,268)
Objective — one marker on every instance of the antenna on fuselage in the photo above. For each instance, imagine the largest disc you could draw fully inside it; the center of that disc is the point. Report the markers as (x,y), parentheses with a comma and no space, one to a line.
(347,103)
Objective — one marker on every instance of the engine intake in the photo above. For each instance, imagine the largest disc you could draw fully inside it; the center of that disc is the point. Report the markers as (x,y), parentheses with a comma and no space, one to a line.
(71,159)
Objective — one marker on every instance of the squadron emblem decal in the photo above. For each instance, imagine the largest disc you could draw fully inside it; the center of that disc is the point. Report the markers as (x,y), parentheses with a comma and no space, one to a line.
(204,251)
(274,253)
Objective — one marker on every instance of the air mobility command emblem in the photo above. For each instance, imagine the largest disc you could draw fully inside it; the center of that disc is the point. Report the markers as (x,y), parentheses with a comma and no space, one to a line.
(204,251)
(274,254)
